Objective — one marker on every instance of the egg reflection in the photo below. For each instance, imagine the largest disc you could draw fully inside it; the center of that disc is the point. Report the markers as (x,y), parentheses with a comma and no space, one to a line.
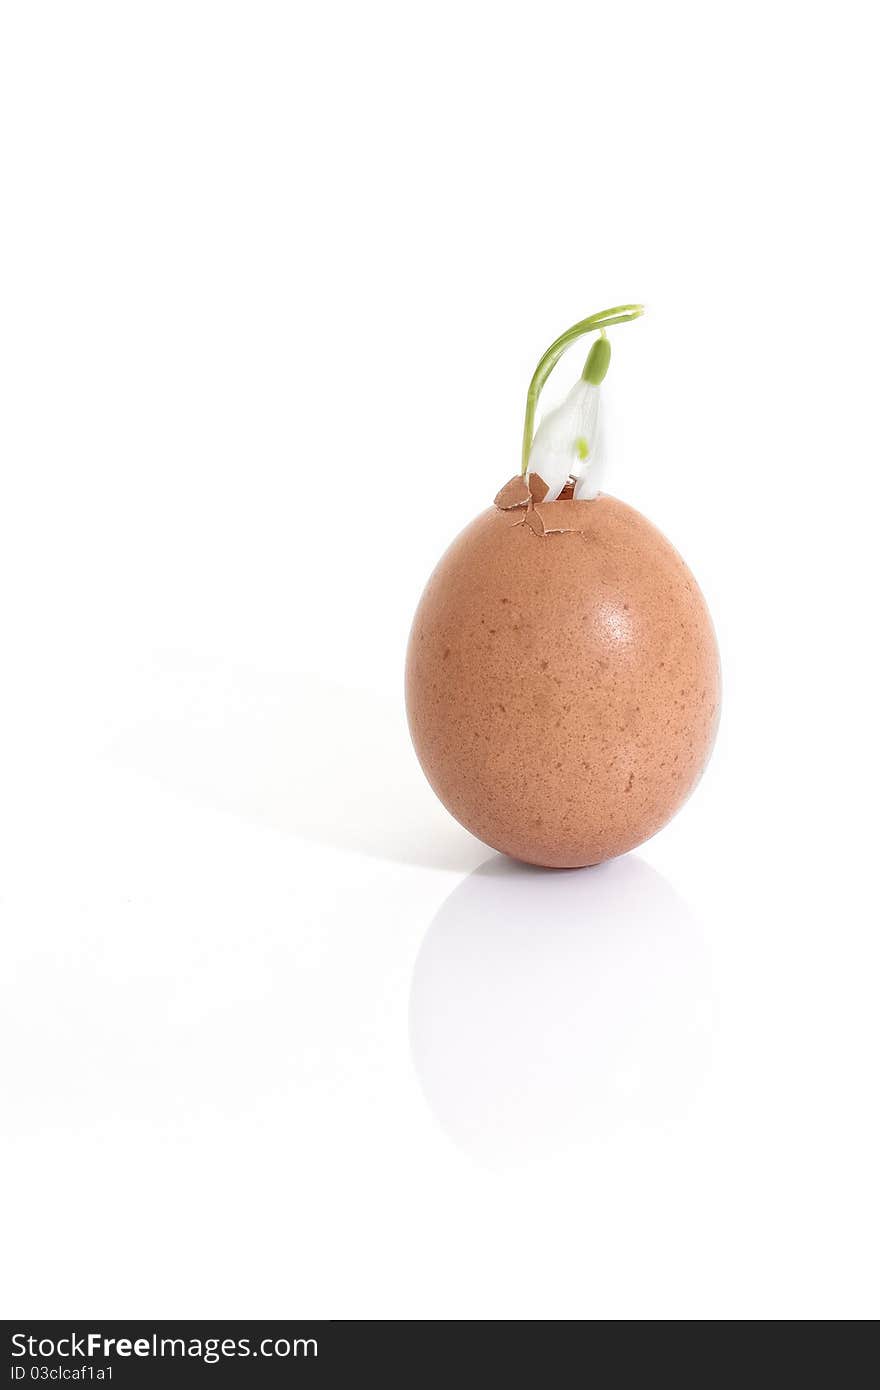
(552,1009)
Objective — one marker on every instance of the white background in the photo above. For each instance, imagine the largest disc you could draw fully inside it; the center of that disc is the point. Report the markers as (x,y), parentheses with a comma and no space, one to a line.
(278,1037)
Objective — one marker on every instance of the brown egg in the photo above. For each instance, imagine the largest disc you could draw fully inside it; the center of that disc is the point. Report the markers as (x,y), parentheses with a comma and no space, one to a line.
(562,678)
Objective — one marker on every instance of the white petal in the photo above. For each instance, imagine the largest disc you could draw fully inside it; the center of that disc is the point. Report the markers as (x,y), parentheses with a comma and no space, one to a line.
(561,436)
(593,471)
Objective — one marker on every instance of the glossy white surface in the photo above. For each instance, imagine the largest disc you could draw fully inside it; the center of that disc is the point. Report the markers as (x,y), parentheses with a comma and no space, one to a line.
(280,1038)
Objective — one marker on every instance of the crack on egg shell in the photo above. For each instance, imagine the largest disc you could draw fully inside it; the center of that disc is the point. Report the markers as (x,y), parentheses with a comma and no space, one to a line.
(557,518)
(565,516)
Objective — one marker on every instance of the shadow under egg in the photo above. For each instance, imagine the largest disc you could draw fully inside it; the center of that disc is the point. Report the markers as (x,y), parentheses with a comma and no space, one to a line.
(552,1008)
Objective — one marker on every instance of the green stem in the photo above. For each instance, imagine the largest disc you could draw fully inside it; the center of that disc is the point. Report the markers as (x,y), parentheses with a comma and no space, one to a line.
(621,313)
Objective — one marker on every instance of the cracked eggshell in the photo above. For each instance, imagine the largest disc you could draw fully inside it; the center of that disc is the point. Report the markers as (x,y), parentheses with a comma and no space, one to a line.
(562,680)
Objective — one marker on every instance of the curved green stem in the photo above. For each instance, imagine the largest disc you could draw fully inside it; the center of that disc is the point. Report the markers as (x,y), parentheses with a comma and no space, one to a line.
(621,313)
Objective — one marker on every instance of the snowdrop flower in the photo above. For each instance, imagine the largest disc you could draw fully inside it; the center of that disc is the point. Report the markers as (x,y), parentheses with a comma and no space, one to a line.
(566,443)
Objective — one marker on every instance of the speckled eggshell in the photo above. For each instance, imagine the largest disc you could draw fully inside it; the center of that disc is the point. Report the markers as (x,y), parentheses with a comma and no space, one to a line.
(562,679)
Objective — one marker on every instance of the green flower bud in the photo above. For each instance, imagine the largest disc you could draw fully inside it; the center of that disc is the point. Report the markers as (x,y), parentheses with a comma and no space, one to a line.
(598,361)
